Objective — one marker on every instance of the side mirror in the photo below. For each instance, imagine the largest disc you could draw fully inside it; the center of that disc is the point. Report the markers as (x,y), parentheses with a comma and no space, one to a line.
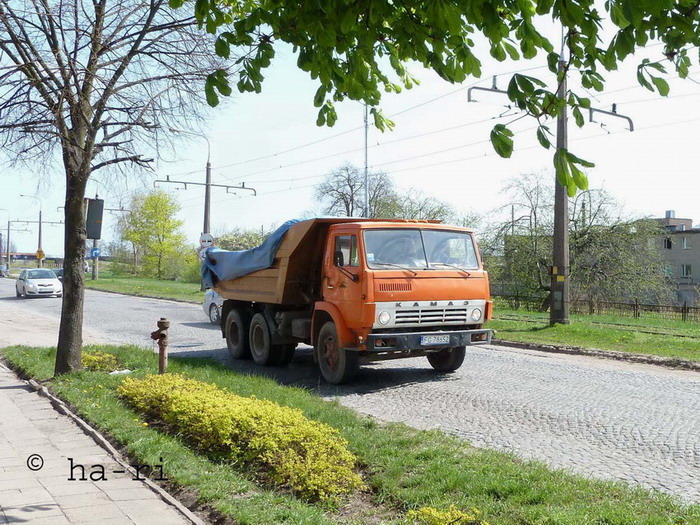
(338,258)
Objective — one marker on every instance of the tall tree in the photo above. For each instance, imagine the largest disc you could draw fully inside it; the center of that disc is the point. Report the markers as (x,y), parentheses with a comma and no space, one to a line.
(342,192)
(612,258)
(98,81)
(153,230)
(354,49)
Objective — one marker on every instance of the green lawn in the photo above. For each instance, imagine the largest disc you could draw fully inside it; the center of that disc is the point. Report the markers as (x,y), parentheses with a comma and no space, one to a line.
(405,468)
(146,287)
(604,332)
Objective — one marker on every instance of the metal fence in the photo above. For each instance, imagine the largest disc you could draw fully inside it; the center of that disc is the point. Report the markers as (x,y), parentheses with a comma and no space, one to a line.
(634,309)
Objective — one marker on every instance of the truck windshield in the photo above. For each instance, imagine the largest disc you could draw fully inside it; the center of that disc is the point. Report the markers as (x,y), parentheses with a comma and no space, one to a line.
(387,249)
(419,249)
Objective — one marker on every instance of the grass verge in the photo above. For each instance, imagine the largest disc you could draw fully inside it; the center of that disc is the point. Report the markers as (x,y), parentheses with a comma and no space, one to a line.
(405,468)
(675,338)
(147,287)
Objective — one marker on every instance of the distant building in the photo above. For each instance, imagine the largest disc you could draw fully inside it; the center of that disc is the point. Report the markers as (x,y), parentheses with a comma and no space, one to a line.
(680,246)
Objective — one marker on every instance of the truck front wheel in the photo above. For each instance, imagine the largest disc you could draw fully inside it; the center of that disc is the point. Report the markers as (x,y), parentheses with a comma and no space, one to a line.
(237,335)
(447,360)
(337,364)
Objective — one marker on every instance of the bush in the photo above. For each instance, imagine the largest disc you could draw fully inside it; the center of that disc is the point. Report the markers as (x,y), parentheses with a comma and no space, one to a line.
(432,516)
(99,361)
(279,443)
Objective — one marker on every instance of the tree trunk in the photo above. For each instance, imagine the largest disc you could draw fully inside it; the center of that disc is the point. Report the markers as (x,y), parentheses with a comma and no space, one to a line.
(70,335)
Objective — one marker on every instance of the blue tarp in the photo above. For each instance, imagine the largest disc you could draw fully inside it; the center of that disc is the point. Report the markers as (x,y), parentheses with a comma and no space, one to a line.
(221,265)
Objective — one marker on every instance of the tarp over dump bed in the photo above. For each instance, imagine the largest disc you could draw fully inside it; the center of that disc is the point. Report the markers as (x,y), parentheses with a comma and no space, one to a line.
(222,265)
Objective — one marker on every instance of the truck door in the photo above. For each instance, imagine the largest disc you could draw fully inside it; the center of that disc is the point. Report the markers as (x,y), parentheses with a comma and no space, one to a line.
(341,283)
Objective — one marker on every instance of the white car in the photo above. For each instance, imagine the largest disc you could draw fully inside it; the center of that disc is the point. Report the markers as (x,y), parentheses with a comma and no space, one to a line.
(36,282)
(212,306)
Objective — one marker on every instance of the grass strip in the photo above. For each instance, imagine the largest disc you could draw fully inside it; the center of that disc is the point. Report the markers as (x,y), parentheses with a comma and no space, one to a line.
(584,332)
(406,468)
(147,287)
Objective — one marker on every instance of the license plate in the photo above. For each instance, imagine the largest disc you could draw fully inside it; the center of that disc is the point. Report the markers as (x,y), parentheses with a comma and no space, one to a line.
(429,340)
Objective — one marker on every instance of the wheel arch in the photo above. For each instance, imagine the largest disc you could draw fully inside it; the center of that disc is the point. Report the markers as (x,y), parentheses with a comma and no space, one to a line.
(324,312)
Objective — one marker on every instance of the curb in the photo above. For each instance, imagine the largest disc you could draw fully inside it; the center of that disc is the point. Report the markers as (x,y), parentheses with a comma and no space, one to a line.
(668,362)
(62,408)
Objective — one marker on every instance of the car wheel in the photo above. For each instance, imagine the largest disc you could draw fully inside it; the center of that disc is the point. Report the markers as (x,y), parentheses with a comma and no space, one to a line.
(337,364)
(17,292)
(447,360)
(214,315)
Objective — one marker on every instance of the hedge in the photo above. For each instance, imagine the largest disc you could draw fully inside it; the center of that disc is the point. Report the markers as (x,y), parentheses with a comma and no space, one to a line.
(281,445)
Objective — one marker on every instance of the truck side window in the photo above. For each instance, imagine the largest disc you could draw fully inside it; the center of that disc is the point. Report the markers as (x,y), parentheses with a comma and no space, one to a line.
(347,245)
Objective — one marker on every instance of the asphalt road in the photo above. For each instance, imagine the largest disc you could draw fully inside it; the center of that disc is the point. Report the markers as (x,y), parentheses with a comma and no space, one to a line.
(606,419)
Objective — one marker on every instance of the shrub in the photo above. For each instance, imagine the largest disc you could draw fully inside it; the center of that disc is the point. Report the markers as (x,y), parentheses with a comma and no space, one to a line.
(99,361)
(279,443)
(453,516)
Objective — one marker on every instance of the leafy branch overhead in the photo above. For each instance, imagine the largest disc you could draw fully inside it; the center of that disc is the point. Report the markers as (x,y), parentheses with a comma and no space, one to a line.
(357,49)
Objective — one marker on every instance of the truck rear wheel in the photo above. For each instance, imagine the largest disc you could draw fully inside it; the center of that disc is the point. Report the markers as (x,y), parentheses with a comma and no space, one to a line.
(259,337)
(237,335)
(337,364)
(447,360)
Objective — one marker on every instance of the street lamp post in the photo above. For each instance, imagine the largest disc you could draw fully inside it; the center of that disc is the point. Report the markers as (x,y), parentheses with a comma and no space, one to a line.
(6,240)
(207,185)
(39,251)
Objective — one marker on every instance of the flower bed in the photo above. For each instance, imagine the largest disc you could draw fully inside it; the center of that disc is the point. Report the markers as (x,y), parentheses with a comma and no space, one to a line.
(281,444)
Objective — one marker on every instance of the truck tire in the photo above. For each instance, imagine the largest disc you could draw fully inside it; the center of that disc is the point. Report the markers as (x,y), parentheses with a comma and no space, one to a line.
(447,360)
(236,330)
(259,337)
(337,364)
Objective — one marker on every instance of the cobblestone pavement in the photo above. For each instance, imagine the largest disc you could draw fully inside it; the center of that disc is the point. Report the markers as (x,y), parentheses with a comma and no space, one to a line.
(606,419)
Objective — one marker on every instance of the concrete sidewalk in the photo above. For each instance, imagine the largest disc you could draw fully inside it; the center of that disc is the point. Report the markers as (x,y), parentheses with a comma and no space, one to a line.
(33,435)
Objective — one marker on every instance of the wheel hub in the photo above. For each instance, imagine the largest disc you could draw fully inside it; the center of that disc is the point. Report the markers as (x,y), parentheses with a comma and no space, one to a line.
(330,353)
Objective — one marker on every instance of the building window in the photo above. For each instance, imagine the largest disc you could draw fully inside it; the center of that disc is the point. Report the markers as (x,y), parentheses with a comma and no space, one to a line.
(668,243)
(686,270)
(684,243)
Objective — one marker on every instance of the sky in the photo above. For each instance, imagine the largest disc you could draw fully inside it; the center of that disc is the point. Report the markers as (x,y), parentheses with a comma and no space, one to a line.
(270,142)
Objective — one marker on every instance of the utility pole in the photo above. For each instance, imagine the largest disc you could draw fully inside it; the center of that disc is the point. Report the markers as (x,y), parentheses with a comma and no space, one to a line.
(559,303)
(207,193)
(40,222)
(8,241)
(559,287)
(366,171)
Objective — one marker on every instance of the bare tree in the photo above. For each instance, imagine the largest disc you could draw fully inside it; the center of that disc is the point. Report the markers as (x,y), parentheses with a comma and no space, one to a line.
(98,81)
(342,192)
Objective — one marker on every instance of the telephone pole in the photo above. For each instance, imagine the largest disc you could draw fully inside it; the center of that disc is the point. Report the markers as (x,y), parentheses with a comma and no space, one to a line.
(559,287)
(366,172)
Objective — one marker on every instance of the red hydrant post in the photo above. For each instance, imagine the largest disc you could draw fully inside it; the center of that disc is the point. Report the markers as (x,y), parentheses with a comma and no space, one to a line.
(161,335)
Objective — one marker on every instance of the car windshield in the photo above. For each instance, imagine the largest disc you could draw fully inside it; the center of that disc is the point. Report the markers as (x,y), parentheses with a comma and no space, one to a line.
(419,249)
(41,274)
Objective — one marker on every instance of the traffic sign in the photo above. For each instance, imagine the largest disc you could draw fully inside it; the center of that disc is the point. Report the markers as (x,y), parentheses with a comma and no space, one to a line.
(95,252)
(40,254)
(206,240)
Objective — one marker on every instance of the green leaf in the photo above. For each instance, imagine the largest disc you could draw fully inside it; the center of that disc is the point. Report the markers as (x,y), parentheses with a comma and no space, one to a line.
(222,47)
(210,92)
(502,141)
(542,132)
(661,85)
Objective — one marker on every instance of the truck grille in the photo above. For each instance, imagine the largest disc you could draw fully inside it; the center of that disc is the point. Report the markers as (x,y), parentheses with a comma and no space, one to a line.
(432,316)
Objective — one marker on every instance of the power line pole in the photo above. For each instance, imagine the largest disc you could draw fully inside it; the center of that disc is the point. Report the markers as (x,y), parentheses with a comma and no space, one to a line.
(559,285)
(366,172)
(207,195)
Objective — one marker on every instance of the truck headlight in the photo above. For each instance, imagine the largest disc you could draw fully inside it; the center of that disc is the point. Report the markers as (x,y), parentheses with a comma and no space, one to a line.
(476,314)
(384,318)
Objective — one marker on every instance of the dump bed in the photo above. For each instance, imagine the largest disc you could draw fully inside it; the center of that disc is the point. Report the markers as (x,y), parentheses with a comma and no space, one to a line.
(294,277)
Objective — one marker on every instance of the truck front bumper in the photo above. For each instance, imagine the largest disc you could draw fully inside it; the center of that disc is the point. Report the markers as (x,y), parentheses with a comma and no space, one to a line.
(425,341)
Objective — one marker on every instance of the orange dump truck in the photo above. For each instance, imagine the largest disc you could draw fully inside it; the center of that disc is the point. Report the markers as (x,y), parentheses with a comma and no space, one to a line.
(361,288)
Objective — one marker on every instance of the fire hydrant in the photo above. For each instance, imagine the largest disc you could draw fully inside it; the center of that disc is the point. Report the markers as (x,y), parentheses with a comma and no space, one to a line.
(161,336)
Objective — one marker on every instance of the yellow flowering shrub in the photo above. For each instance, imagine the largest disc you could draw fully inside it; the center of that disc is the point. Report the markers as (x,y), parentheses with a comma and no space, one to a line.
(453,516)
(280,443)
(99,361)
